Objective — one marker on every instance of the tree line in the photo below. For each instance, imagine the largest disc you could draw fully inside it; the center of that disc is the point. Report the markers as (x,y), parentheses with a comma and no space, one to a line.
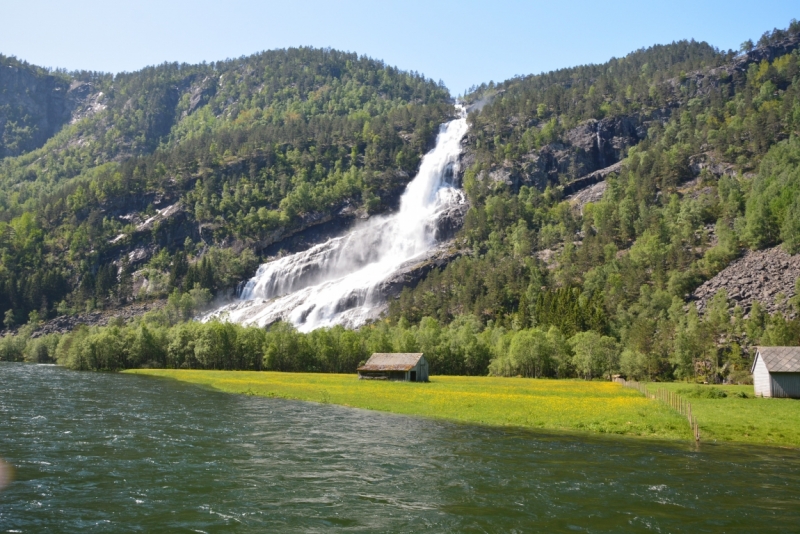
(168,338)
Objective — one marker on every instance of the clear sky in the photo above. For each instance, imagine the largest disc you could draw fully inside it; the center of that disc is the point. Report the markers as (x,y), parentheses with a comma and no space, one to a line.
(462,42)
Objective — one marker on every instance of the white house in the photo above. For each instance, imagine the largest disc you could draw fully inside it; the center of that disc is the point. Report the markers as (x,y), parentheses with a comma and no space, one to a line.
(776,372)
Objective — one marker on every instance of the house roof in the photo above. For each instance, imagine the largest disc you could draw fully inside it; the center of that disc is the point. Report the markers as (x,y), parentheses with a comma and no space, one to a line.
(781,359)
(391,361)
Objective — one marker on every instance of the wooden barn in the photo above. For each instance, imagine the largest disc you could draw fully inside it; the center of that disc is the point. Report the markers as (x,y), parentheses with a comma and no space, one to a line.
(404,366)
(776,372)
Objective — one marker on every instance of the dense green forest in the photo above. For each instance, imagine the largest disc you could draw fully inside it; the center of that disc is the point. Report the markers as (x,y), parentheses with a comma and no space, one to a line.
(634,256)
(246,149)
(706,164)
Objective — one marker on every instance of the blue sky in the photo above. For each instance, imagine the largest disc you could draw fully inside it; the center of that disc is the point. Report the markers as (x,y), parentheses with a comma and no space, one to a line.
(461,42)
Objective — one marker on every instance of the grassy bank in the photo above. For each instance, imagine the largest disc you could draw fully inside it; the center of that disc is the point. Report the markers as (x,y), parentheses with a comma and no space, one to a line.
(573,405)
(735,418)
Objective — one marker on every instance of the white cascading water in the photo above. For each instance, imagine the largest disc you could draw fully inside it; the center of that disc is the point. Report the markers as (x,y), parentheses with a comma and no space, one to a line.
(335,282)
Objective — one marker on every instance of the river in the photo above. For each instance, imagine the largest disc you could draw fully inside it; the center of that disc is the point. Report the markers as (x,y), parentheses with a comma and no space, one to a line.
(97,452)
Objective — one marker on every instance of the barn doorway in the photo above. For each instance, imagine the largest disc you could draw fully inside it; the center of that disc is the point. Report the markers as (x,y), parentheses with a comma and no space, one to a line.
(413,376)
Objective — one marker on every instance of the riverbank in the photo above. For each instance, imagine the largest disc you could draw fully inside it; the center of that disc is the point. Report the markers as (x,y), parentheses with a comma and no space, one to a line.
(572,405)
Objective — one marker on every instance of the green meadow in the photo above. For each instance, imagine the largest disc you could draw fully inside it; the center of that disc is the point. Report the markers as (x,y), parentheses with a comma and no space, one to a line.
(572,405)
(732,413)
(567,405)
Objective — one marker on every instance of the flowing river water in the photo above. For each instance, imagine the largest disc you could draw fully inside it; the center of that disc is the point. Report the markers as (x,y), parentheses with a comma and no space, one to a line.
(97,452)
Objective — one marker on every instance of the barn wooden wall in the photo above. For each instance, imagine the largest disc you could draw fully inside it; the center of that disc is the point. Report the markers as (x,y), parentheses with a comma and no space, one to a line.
(786,385)
(761,380)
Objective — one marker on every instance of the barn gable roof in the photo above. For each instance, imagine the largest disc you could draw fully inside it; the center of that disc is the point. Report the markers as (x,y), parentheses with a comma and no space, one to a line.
(391,361)
(781,359)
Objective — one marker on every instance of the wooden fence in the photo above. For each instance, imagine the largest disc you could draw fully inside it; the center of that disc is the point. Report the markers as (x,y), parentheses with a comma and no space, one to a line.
(673,400)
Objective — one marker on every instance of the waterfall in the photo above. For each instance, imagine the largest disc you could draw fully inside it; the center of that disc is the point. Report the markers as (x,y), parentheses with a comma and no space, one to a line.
(336,282)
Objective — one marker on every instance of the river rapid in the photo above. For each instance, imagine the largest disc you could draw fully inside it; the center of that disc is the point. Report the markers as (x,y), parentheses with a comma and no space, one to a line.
(97,452)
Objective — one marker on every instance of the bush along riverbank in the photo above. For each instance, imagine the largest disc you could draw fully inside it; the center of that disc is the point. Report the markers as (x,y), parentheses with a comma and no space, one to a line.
(578,346)
(167,338)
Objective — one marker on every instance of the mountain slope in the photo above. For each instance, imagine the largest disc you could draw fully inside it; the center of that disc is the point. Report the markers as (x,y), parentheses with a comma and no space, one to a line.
(603,200)
(702,162)
(231,154)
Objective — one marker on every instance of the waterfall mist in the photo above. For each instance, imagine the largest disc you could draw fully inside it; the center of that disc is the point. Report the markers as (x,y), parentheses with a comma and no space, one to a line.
(337,282)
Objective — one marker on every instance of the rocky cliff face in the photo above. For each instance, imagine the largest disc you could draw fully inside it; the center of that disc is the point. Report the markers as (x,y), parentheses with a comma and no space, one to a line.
(34,105)
(589,147)
(705,80)
(410,274)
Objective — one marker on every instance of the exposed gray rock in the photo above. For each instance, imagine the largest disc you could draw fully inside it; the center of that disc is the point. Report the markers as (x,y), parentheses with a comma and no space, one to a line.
(451,221)
(199,94)
(410,274)
(318,226)
(35,104)
(709,163)
(705,80)
(85,101)
(757,276)
(593,193)
(169,227)
(591,146)
(502,175)
(590,179)
(67,323)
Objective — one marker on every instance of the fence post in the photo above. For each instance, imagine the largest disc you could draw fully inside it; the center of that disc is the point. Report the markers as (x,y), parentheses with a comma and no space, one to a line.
(671,399)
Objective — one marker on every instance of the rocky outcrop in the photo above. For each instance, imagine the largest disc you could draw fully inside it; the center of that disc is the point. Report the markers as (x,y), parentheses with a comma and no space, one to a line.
(35,104)
(85,101)
(168,227)
(410,274)
(314,228)
(707,79)
(312,233)
(592,193)
(709,164)
(451,221)
(757,276)
(591,179)
(66,323)
(199,94)
(592,146)
(602,142)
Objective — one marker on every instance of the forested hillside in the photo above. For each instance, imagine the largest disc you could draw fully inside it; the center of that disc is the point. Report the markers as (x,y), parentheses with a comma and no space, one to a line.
(114,186)
(606,200)
(710,166)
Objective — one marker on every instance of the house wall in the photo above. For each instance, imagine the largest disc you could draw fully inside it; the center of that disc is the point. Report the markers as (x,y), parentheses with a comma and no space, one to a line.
(761,379)
(422,370)
(786,385)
